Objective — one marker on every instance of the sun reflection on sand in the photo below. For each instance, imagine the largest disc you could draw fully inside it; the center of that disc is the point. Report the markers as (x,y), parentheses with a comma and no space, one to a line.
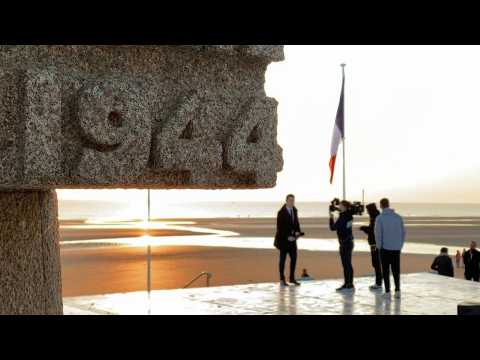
(145,225)
(208,236)
(201,234)
(241,242)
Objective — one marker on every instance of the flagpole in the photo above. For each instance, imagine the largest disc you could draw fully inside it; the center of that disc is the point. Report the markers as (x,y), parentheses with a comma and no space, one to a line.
(343,140)
(149,252)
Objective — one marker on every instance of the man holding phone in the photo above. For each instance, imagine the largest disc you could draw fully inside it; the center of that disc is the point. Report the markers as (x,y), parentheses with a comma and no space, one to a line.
(288,231)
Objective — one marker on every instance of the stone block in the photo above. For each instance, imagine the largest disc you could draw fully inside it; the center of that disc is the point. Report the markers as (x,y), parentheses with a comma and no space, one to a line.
(77,116)
(468,308)
(30,277)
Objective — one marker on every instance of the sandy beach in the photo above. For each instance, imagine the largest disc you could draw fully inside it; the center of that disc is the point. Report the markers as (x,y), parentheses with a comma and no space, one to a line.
(93,262)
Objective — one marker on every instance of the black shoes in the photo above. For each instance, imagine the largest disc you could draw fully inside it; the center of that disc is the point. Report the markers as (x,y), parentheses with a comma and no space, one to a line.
(293,282)
(346,287)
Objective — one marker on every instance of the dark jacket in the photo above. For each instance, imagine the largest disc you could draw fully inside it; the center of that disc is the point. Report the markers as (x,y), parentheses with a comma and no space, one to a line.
(343,227)
(286,226)
(370,229)
(472,265)
(444,265)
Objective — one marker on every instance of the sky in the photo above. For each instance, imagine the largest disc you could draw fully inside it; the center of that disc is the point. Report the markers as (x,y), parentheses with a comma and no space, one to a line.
(412,128)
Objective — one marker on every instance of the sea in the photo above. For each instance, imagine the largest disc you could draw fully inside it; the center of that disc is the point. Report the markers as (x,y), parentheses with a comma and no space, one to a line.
(122,210)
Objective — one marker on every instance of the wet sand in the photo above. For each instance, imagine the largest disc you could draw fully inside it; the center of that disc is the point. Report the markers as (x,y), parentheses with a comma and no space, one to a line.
(115,233)
(124,269)
(440,231)
(89,270)
(430,230)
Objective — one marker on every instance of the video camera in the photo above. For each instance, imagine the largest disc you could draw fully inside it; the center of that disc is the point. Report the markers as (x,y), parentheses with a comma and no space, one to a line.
(356,208)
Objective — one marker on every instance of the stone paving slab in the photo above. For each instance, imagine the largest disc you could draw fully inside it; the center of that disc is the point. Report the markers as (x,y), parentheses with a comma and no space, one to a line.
(422,294)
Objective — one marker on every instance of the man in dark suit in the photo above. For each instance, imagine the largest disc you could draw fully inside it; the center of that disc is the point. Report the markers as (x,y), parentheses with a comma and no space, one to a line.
(471,259)
(288,231)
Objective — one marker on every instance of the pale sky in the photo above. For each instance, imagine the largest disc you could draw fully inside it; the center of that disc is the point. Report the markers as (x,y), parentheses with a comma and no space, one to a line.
(412,120)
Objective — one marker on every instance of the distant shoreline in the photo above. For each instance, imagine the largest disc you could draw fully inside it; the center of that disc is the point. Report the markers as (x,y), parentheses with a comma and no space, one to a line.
(73,209)
(448,231)
(79,221)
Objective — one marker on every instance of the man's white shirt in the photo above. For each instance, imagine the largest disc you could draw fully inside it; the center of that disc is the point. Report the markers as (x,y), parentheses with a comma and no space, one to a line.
(290,211)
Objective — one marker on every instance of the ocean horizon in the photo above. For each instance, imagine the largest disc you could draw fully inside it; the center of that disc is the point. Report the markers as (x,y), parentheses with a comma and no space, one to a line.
(123,210)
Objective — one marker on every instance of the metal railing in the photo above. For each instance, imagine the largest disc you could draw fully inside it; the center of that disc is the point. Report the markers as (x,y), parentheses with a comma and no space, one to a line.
(204,273)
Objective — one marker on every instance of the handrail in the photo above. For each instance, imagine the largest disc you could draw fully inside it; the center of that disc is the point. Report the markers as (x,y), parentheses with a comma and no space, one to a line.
(203,273)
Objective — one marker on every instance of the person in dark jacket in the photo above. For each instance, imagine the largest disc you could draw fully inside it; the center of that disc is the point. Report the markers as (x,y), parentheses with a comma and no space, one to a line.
(370,231)
(343,227)
(288,231)
(471,259)
(443,264)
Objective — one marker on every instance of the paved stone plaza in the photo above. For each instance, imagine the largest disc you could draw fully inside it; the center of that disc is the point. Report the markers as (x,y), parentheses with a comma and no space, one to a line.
(422,294)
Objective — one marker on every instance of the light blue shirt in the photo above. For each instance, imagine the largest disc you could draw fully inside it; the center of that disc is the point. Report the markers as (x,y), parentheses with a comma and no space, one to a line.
(389,230)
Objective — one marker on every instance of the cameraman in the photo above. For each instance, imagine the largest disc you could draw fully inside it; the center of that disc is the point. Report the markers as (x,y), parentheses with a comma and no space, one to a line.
(343,227)
(369,230)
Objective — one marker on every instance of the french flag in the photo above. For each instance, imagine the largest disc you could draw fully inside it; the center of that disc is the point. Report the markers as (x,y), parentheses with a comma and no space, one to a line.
(338,132)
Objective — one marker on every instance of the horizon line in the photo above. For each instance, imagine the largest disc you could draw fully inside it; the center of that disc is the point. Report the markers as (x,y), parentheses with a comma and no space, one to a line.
(272,201)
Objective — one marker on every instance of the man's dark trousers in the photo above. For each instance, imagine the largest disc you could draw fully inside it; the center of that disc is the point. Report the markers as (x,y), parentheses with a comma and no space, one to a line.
(376,265)
(291,250)
(390,259)
(474,276)
(346,250)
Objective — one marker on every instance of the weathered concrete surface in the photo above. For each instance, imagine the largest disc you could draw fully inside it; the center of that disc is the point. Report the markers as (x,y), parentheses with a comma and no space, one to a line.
(76,116)
(30,279)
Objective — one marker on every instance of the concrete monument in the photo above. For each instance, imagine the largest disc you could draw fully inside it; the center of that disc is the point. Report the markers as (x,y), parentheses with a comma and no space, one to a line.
(159,117)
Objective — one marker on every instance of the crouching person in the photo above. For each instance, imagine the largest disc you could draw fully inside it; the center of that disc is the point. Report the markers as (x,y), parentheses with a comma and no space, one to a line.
(443,264)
